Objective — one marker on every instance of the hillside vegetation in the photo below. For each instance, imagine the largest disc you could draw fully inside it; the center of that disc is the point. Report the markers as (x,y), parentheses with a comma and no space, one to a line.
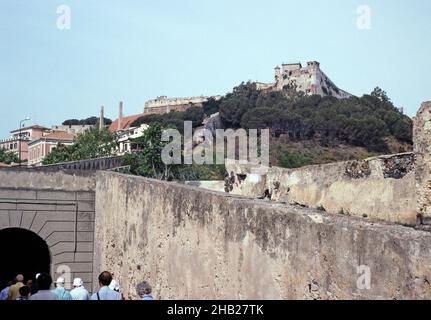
(314,129)
(307,129)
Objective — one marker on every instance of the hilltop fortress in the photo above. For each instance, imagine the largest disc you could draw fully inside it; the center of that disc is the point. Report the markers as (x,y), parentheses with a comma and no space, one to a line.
(310,80)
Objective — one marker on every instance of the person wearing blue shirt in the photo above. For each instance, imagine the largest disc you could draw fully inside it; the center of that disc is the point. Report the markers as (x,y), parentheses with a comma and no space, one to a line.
(105,293)
(60,291)
(5,292)
(143,290)
(79,292)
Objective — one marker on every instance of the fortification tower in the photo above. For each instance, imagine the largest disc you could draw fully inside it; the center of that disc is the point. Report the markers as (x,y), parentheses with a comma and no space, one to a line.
(313,65)
(290,68)
(278,78)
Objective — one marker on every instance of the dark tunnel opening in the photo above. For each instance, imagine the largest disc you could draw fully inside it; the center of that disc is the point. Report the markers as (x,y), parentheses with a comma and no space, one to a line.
(22,252)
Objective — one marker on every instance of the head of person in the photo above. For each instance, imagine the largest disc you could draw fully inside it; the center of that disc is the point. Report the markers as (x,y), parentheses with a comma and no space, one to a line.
(59,283)
(19,278)
(143,288)
(105,278)
(24,291)
(77,282)
(44,281)
(29,282)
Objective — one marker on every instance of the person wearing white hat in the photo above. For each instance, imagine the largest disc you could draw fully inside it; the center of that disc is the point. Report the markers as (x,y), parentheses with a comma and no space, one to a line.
(79,292)
(34,288)
(114,285)
(60,291)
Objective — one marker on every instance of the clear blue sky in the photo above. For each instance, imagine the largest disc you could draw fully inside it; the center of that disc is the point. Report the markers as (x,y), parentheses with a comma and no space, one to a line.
(134,50)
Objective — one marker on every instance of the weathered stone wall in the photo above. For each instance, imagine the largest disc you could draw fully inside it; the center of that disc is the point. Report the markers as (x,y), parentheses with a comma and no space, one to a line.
(59,208)
(378,188)
(197,244)
(422,149)
(168,109)
(16,178)
(166,102)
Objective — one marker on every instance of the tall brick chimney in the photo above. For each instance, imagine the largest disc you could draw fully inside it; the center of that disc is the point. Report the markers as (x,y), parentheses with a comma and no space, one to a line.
(120,116)
(102,118)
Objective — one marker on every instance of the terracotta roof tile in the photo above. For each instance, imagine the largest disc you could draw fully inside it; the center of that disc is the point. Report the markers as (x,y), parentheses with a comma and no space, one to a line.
(125,123)
(60,135)
(31,127)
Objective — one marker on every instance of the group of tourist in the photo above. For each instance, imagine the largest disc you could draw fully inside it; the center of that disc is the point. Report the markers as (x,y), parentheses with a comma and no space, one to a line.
(41,289)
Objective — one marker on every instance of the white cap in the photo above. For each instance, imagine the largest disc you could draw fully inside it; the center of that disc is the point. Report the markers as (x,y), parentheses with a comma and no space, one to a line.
(37,275)
(77,282)
(60,280)
(114,285)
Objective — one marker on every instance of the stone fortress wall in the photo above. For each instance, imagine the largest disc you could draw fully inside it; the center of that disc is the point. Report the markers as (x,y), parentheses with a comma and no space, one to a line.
(310,80)
(192,243)
(164,104)
(377,188)
(198,244)
(422,150)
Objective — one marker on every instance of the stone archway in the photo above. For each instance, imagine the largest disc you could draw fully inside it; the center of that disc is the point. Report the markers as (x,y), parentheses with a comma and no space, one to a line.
(63,220)
(22,252)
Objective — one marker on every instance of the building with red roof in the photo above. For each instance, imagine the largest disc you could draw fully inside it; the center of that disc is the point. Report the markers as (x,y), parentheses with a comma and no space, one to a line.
(123,123)
(19,139)
(39,148)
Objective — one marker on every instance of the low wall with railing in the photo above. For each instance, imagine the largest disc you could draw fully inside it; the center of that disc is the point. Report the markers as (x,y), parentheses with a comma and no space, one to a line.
(106,163)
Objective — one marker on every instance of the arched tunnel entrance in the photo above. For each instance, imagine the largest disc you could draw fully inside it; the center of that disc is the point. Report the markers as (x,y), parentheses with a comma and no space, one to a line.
(22,252)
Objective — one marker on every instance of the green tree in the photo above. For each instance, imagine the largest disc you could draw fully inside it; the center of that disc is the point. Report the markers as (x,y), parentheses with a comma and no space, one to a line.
(61,153)
(91,144)
(236,104)
(195,114)
(211,106)
(294,160)
(95,143)
(8,157)
(174,119)
(381,94)
(148,162)
(88,121)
